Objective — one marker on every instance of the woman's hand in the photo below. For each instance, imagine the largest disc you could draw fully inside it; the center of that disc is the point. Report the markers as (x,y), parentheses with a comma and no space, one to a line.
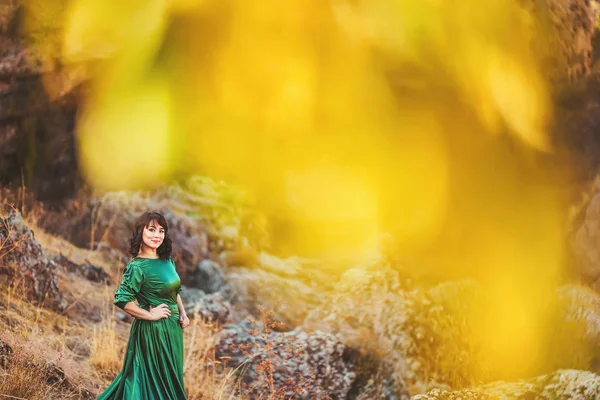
(159,312)
(184,321)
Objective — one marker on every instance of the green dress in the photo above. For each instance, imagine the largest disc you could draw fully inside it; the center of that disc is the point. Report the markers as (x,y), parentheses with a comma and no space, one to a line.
(153,365)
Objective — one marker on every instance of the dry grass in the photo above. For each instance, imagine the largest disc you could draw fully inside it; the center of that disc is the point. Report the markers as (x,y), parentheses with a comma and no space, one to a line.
(205,377)
(24,378)
(37,336)
(5,246)
(106,352)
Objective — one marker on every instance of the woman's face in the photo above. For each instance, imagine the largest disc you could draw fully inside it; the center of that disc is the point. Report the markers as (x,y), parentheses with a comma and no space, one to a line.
(153,235)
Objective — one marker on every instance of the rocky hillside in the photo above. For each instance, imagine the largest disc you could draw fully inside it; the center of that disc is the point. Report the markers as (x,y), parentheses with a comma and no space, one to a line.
(370,333)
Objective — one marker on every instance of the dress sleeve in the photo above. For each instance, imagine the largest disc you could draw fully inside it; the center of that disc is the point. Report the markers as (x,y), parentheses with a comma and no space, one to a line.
(133,278)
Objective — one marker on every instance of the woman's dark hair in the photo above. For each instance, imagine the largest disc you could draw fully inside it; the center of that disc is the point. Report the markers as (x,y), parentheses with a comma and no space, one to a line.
(135,243)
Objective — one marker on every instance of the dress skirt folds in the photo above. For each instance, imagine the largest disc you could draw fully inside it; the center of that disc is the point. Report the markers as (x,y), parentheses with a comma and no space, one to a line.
(153,365)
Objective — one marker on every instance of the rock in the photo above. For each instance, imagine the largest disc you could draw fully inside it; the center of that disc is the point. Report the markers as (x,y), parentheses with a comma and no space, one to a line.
(577,127)
(113,216)
(562,384)
(89,271)
(110,253)
(123,316)
(429,337)
(85,394)
(55,374)
(211,308)
(288,286)
(585,236)
(208,277)
(6,352)
(564,37)
(569,384)
(576,329)
(317,363)
(24,260)
(79,347)
(581,304)
(195,222)
(189,295)
(420,334)
(37,141)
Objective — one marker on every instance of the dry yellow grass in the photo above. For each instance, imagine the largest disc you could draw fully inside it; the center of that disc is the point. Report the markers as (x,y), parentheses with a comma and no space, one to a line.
(203,374)
(23,378)
(37,337)
(106,348)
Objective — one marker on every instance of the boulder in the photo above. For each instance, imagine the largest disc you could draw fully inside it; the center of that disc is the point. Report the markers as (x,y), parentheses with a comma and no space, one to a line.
(585,233)
(23,261)
(415,330)
(562,384)
(189,295)
(37,141)
(197,220)
(55,374)
(575,331)
(89,271)
(208,277)
(107,222)
(211,308)
(427,336)
(289,286)
(584,237)
(312,364)
(6,352)
(563,37)
(122,316)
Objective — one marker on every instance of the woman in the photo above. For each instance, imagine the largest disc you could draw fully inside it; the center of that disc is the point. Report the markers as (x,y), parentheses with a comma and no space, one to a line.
(153,366)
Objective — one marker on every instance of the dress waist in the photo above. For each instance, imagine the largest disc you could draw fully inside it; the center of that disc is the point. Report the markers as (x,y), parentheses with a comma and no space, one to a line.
(173,307)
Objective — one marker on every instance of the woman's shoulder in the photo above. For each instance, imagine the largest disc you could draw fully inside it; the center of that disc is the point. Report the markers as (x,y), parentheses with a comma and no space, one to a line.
(138,263)
(134,263)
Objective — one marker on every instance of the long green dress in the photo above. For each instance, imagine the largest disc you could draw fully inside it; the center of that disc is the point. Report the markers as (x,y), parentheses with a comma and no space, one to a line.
(153,365)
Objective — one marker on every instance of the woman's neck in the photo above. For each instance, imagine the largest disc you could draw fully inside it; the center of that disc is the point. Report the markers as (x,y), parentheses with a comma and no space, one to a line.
(147,253)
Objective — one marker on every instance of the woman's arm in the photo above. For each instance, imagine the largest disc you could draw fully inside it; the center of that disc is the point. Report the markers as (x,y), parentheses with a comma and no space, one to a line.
(154,314)
(180,305)
(183,318)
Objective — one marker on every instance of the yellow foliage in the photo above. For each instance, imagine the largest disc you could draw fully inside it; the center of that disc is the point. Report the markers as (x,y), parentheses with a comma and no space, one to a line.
(345,119)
